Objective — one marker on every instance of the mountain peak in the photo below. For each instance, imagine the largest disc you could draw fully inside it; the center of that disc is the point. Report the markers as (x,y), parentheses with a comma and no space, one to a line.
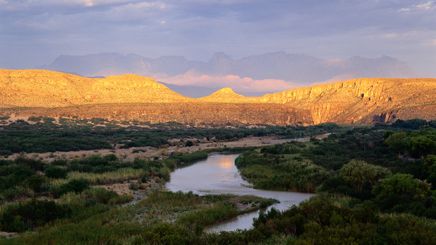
(227,90)
(226,95)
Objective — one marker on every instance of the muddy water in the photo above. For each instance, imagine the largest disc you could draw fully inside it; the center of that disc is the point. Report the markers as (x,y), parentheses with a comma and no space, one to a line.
(219,175)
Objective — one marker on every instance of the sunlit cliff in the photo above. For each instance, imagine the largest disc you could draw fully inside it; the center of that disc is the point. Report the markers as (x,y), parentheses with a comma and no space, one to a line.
(133,97)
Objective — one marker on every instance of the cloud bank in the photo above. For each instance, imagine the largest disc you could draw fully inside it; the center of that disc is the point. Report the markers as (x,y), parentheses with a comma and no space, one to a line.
(245,85)
(33,32)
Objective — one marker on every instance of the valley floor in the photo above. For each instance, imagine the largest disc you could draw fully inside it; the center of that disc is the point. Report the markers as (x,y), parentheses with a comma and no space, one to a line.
(374,185)
(148,152)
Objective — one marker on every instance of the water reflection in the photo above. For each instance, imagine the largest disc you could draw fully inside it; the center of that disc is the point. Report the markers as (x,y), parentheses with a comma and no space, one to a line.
(226,162)
(219,175)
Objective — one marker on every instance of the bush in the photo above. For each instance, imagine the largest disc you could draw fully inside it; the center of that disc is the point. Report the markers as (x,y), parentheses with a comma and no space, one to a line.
(75,185)
(361,176)
(37,183)
(56,172)
(100,195)
(167,234)
(403,193)
(25,216)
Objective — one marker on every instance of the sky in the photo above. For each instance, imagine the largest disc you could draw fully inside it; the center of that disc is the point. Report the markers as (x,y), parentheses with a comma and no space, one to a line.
(35,32)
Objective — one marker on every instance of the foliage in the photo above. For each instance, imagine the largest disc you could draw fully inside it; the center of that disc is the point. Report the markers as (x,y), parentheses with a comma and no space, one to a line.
(373,183)
(417,143)
(361,177)
(28,215)
(74,185)
(46,135)
(280,173)
(164,217)
(55,172)
(403,193)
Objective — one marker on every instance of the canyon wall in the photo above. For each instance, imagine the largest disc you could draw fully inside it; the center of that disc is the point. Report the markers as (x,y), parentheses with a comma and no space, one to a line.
(132,97)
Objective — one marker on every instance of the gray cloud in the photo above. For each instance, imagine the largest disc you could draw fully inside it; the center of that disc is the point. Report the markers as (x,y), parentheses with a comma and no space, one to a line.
(34,32)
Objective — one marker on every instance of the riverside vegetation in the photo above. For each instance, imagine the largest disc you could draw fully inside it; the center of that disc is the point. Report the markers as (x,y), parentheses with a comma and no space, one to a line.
(374,185)
(43,134)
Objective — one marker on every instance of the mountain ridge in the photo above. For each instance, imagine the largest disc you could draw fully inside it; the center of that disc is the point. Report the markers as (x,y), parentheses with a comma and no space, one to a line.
(364,100)
(291,68)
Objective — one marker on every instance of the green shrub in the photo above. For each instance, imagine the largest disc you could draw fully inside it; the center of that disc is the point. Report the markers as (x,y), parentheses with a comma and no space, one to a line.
(75,185)
(56,172)
(28,215)
(361,176)
(403,193)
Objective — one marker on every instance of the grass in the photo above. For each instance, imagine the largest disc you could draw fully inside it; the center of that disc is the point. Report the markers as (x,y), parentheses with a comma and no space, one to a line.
(116,176)
(186,213)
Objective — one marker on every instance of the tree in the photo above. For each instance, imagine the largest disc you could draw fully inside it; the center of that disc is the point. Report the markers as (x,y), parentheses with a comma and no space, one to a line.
(397,141)
(402,192)
(362,176)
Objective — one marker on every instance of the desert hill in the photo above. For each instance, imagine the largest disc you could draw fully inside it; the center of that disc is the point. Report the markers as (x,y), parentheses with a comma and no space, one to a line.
(129,97)
(41,88)
(227,95)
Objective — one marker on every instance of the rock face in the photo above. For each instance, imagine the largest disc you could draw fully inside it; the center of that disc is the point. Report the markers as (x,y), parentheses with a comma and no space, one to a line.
(129,97)
(364,100)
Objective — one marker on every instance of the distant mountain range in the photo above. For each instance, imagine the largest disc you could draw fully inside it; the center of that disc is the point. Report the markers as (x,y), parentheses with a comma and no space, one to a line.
(255,74)
(25,93)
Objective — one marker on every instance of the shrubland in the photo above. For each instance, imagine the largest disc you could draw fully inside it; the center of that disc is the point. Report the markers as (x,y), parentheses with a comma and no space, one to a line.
(373,185)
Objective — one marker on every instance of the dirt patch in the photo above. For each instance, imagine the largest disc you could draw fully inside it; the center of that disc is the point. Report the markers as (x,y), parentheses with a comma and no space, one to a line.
(151,152)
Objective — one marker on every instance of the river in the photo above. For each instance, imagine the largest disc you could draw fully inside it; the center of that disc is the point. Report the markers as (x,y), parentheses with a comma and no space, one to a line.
(219,175)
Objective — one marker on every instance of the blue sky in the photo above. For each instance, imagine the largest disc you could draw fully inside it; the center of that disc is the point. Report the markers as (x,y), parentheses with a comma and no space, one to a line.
(34,32)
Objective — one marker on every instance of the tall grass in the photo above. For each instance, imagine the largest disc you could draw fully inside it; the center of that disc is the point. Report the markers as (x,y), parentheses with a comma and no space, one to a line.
(116,176)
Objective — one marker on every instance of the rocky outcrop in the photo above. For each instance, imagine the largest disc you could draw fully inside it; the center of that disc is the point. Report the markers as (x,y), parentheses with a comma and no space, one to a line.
(129,97)
(360,99)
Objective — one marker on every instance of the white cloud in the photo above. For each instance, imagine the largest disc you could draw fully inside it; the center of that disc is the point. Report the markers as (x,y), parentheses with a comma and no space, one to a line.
(405,10)
(425,6)
(240,84)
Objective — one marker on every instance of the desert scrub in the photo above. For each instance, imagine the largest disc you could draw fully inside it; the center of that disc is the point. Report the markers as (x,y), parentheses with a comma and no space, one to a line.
(280,172)
(181,215)
(116,176)
(28,215)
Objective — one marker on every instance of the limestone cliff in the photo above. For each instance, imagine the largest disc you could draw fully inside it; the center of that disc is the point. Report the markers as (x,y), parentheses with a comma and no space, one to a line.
(365,100)
(362,100)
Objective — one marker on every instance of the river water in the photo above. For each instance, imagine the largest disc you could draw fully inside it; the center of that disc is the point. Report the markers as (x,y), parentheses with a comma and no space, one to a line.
(219,175)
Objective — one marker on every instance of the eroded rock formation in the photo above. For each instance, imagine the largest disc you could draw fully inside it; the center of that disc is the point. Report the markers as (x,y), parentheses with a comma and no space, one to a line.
(132,97)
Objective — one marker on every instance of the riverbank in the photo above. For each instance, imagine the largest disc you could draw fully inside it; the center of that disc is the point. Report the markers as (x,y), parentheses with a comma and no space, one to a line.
(218,175)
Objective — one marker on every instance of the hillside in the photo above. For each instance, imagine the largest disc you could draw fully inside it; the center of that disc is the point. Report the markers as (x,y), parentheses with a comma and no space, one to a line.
(227,95)
(41,88)
(131,97)
(363,100)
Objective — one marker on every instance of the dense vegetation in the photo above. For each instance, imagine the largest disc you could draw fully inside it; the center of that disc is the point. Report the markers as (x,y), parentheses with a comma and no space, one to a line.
(46,135)
(163,217)
(379,188)
(333,220)
(374,185)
